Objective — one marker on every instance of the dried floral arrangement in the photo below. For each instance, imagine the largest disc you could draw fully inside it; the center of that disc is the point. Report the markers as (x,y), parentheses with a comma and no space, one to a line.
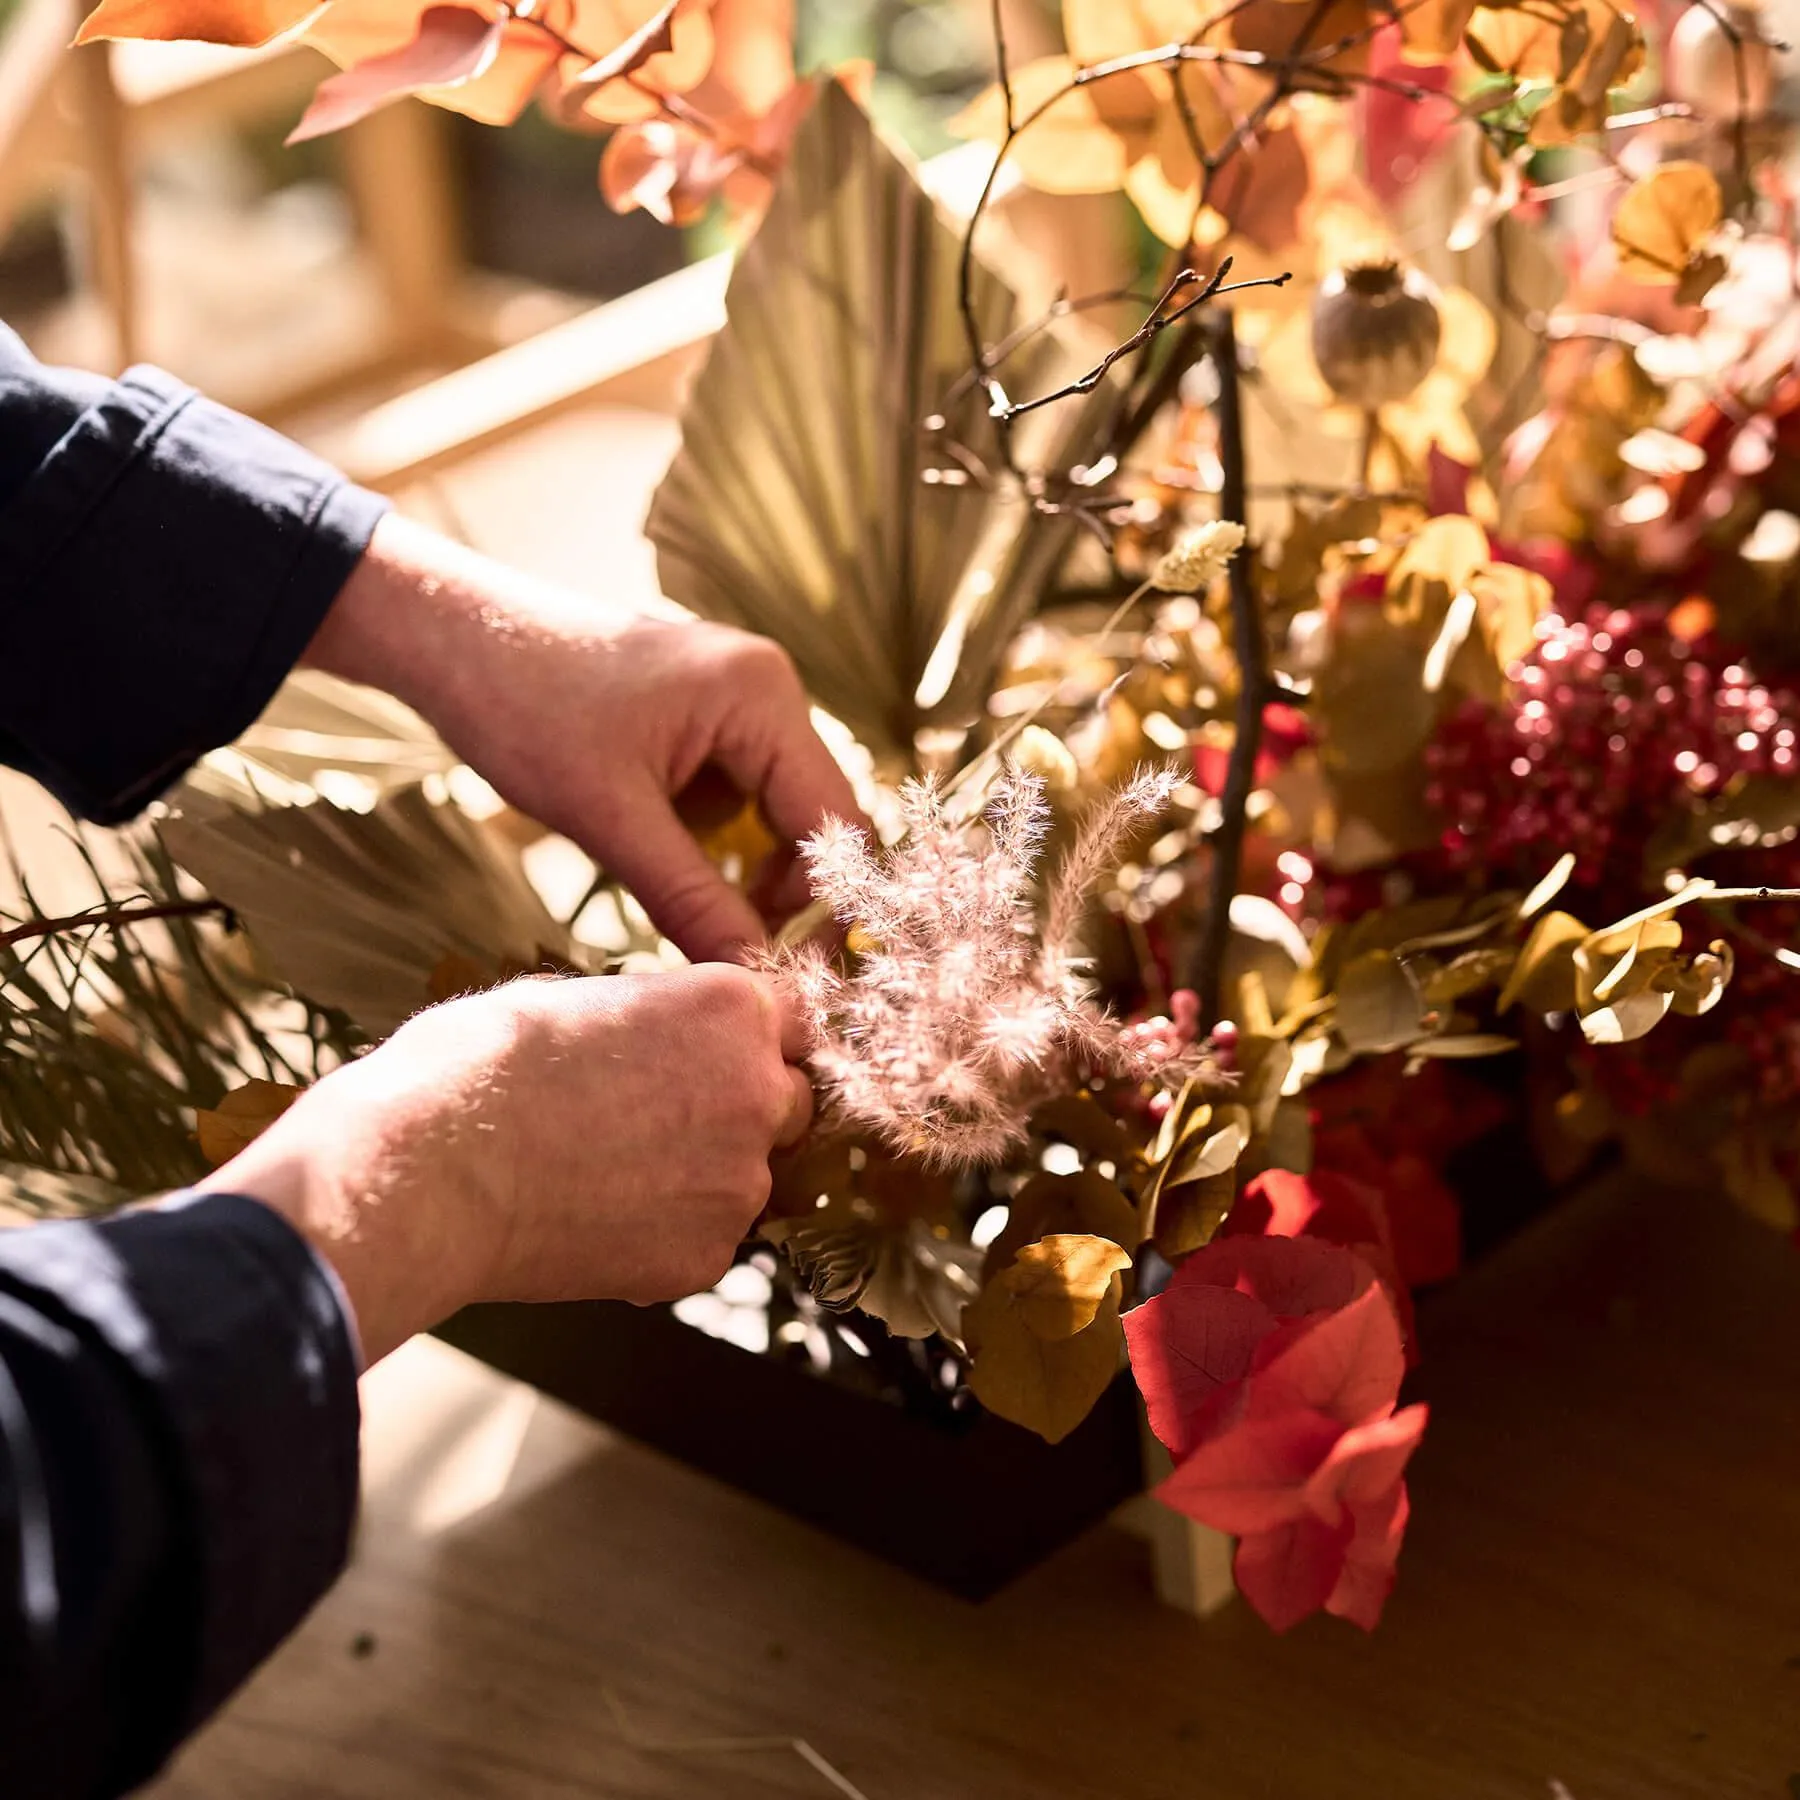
(1322,704)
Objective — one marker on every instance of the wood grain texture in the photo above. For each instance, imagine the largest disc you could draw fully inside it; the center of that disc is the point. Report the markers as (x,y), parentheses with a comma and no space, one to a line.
(1601,1589)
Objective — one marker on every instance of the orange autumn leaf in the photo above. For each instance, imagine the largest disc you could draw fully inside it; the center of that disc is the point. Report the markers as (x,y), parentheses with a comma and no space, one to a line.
(678,40)
(750,104)
(1335,38)
(1079,140)
(1665,220)
(241,1117)
(455,45)
(241,23)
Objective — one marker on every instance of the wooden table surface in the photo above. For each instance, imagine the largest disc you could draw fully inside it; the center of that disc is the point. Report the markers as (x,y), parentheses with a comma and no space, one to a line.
(1599,1599)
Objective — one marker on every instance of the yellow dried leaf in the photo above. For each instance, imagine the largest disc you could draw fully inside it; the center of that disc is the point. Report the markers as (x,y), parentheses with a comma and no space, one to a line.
(1698,985)
(1048,1385)
(1509,601)
(1059,1283)
(1083,141)
(1049,1205)
(1431,31)
(1627,1019)
(241,1117)
(1370,697)
(1378,1005)
(1436,565)
(1665,219)
(1544,975)
(1196,1156)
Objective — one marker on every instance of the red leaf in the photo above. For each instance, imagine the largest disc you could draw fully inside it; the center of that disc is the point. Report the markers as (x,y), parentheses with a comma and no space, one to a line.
(1255,1475)
(1293,1570)
(1292,1277)
(453,45)
(1366,1462)
(1348,1364)
(1370,1559)
(1186,1345)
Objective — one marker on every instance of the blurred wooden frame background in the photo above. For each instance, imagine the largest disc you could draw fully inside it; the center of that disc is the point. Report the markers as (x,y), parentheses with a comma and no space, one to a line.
(76,124)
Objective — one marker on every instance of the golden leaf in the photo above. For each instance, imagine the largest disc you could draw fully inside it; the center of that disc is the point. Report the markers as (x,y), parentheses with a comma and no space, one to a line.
(241,1117)
(1195,1157)
(1665,219)
(1437,564)
(1698,984)
(1049,1205)
(1432,31)
(1544,975)
(1081,143)
(1627,1019)
(1059,1283)
(1370,697)
(1549,887)
(1340,27)
(1378,1005)
(1048,1385)
(245,24)
(1467,974)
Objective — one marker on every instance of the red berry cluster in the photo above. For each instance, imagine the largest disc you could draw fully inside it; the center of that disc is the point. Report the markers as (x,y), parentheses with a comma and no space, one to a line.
(1616,725)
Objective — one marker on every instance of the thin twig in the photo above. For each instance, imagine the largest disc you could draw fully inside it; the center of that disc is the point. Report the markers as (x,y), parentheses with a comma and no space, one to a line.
(114,919)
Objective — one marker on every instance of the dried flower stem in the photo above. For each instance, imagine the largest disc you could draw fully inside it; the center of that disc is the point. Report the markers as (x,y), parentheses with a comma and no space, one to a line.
(114,919)
(1250,646)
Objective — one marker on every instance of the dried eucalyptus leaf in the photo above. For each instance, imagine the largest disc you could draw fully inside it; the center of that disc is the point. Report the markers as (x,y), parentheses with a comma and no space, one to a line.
(1378,1005)
(1544,975)
(1059,1283)
(1698,985)
(241,1117)
(1050,1205)
(1626,1019)
(1048,1385)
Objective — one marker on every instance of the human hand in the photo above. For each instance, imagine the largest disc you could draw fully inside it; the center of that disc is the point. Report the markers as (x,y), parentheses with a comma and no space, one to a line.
(603,1138)
(593,718)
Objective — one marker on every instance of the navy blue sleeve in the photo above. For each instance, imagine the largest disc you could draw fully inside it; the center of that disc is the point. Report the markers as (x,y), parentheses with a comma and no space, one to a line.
(178,1468)
(163,564)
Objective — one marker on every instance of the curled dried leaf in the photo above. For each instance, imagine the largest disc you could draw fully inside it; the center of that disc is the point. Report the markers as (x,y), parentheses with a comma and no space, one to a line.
(242,1117)
(1048,1385)
(1664,220)
(1059,1283)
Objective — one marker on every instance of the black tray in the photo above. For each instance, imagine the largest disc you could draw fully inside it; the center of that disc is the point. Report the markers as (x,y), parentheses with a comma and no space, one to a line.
(959,1497)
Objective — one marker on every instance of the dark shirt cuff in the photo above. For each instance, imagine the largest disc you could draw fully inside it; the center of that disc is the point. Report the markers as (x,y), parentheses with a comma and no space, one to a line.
(242,1349)
(167,564)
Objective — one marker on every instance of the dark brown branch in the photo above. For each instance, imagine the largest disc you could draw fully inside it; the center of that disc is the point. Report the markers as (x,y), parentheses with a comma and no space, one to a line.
(1158,322)
(1250,647)
(120,918)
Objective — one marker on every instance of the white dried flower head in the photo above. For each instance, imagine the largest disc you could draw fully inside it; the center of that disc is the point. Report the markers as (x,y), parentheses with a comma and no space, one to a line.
(1199,557)
(959,1013)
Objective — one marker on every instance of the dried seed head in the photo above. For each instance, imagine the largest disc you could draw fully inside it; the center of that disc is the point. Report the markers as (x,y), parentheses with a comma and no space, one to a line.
(1375,331)
(1198,558)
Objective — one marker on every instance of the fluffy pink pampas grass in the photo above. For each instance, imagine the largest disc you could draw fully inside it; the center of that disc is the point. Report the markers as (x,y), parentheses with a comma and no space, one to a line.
(958,1015)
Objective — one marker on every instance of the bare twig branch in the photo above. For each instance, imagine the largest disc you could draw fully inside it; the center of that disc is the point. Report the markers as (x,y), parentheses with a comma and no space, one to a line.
(119,918)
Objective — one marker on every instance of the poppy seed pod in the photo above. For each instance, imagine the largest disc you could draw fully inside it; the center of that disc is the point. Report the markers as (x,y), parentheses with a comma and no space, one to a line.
(1375,331)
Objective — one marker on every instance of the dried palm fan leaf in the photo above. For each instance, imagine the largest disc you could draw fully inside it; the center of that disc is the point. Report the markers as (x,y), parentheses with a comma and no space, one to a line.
(318,725)
(358,910)
(798,506)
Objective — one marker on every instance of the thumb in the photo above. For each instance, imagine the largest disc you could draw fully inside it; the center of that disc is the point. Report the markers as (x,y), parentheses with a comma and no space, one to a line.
(687,898)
